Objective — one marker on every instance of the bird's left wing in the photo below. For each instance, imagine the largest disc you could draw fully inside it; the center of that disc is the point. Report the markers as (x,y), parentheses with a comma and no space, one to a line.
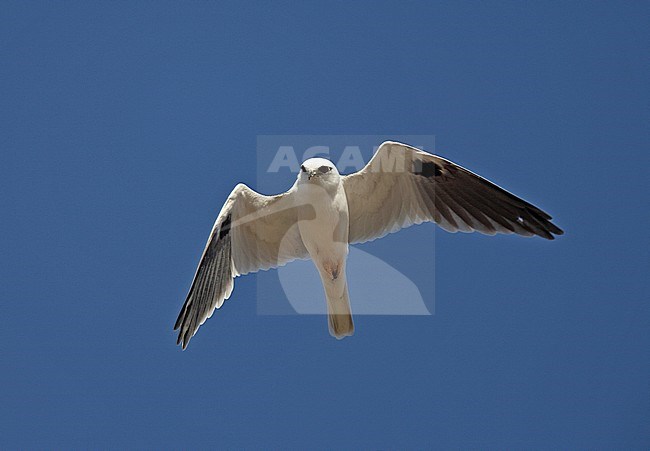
(401,186)
(252,232)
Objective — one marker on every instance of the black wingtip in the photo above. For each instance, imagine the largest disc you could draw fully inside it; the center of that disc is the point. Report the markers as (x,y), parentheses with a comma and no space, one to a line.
(182,340)
(549,234)
(187,336)
(552,230)
(181,315)
(552,234)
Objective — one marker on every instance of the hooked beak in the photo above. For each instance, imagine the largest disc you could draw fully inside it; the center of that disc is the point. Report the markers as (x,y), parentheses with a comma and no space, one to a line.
(311,174)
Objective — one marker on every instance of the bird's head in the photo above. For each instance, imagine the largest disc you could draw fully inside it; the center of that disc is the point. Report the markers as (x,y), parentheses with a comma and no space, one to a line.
(318,170)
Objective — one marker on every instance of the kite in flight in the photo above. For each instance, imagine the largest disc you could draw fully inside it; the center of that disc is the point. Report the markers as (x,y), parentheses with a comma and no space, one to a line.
(324,212)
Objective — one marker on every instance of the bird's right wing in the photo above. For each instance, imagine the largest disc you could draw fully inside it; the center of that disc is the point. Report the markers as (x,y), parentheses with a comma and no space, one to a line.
(401,186)
(252,232)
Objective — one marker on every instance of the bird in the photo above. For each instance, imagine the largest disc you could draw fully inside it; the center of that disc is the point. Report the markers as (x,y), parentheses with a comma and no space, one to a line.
(324,212)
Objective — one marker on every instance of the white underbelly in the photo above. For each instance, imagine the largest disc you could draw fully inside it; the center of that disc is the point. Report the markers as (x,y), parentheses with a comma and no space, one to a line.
(325,232)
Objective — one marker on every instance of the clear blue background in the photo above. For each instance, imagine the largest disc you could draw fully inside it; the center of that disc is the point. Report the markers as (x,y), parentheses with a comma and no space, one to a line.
(124,125)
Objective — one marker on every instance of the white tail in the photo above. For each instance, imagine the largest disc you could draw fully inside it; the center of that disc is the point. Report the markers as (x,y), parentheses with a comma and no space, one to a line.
(339,317)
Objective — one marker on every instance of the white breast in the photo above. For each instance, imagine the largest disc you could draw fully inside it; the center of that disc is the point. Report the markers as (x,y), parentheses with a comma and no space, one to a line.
(325,236)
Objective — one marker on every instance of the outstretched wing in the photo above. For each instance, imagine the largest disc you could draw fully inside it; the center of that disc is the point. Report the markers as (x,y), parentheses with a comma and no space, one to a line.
(252,232)
(401,186)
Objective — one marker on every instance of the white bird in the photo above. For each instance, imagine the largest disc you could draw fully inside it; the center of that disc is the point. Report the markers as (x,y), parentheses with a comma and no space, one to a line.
(324,212)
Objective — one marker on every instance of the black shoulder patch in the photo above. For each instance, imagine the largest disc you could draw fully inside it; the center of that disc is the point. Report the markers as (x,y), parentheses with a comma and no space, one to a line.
(224,229)
(426,168)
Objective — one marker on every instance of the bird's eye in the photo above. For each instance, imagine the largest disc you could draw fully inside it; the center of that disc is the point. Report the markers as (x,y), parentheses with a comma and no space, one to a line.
(324,169)
(302,168)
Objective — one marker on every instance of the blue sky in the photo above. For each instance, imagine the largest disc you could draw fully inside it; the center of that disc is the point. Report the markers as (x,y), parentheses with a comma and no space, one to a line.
(125,126)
